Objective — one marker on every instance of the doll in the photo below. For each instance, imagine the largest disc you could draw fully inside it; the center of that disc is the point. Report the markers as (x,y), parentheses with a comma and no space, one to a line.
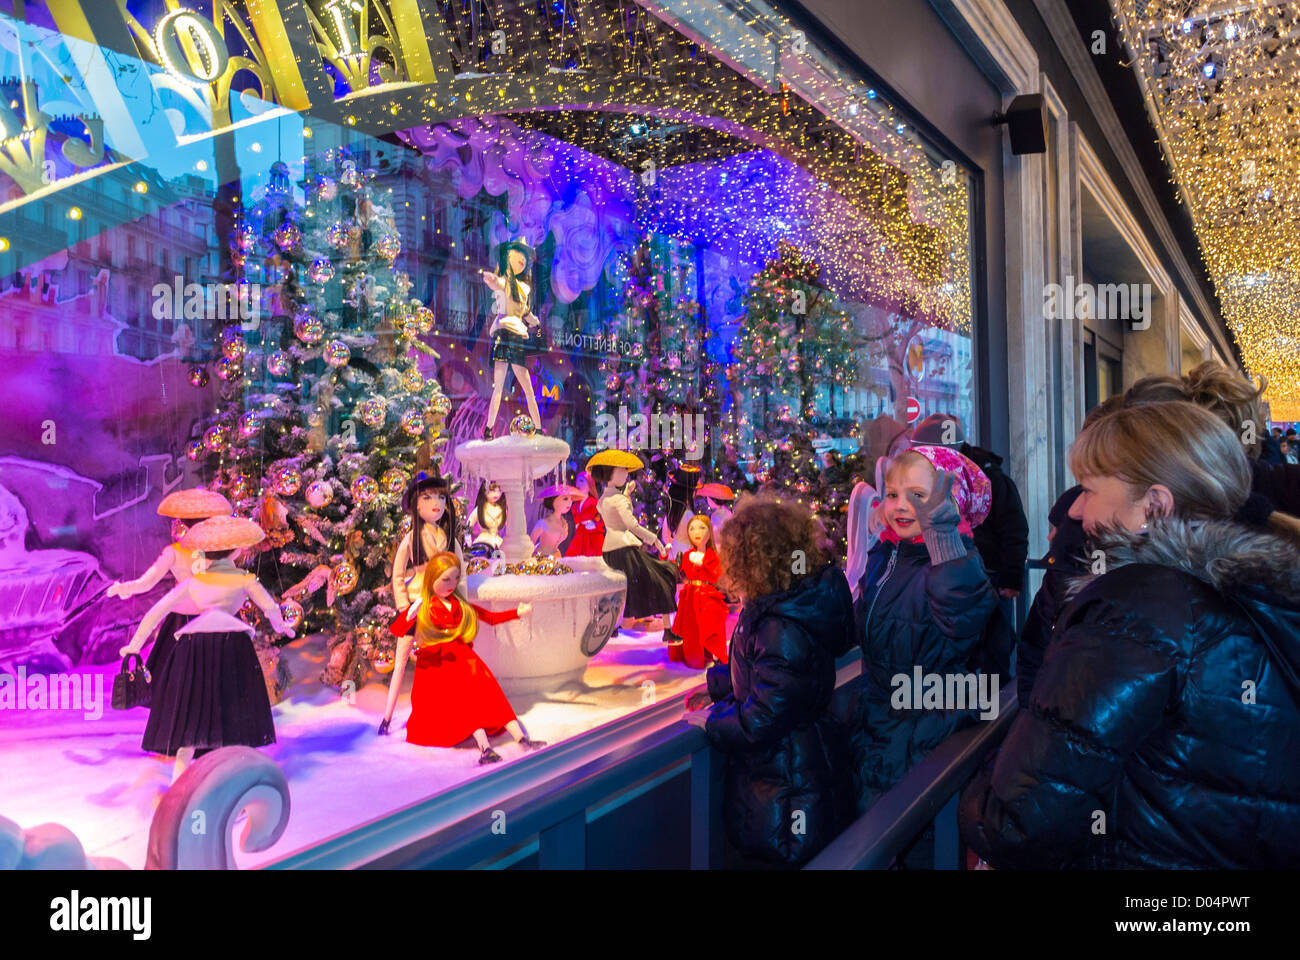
(702,609)
(515,333)
(193,504)
(651,581)
(209,691)
(549,532)
(428,502)
(681,494)
(490,515)
(454,695)
(588,529)
(719,498)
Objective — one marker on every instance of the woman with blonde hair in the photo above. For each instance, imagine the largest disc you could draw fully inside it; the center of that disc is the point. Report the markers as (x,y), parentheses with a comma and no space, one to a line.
(1167,707)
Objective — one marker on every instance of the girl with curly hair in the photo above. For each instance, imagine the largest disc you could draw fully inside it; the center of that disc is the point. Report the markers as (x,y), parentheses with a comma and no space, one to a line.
(770,714)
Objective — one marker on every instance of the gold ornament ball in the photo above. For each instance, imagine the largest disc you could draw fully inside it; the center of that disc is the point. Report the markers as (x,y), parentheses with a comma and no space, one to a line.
(345,577)
(440,405)
(374,411)
(364,489)
(412,381)
(383,662)
(292,612)
(523,426)
(394,481)
(424,319)
(413,423)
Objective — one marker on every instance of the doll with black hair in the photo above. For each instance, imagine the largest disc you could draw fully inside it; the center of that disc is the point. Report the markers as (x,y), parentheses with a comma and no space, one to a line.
(429,504)
(490,511)
(588,529)
(551,530)
(516,332)
(651,581)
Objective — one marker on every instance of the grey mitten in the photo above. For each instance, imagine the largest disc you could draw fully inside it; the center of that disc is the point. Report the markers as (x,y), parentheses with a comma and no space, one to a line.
(939,517)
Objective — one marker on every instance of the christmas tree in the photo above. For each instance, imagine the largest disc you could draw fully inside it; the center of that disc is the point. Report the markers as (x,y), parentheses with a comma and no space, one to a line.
(325,415)
(797,353)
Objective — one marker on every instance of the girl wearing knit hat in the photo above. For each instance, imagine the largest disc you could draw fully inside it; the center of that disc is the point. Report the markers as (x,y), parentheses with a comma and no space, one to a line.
(922,603)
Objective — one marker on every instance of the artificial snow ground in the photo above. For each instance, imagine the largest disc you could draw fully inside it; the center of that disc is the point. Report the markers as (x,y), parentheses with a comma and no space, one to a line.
(57,766)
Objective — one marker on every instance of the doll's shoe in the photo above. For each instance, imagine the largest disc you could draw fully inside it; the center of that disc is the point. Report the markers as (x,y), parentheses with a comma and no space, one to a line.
(670,637)
(489,756)
(383,728)
(529,744)
(487,433)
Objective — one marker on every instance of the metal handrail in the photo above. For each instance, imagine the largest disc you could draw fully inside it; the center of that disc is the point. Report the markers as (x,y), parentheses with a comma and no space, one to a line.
(928,792)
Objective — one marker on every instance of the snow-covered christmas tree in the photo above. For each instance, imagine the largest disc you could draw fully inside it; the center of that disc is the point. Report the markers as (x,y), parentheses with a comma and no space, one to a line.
(325,414)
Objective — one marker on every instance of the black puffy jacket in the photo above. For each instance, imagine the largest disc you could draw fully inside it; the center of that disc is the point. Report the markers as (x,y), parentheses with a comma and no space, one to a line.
(1065,561)
(1003,538)
(786,791)
(912,614)
(1163,728)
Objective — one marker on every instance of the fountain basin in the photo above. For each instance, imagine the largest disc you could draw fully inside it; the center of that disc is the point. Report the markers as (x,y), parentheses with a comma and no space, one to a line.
(573,615)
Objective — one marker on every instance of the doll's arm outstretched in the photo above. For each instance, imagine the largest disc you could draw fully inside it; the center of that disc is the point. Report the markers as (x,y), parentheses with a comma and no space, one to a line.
(623,509)
(259,595)
(154,617)
(157,570)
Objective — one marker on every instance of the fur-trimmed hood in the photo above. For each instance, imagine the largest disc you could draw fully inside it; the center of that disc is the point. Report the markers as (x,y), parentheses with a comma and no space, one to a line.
(1231,557)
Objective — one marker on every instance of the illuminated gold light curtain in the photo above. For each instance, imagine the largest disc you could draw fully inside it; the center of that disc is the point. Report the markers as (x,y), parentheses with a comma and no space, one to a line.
(1224,80)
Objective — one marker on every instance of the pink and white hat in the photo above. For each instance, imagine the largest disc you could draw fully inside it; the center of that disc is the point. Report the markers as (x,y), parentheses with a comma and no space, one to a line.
(971,489)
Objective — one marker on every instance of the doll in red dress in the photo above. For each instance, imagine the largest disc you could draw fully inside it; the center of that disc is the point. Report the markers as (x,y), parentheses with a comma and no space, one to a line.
(701,608)
(454,695)
(589,530)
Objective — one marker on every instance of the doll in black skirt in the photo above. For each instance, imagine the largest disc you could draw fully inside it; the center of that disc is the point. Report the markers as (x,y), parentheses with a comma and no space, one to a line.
(651,581)
(209,692)
(516,332)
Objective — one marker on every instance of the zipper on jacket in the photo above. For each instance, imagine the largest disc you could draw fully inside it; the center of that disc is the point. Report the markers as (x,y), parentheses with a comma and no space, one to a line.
(880,585)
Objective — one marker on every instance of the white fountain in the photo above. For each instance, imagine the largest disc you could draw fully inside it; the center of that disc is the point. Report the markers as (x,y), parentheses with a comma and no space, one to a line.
(573,613)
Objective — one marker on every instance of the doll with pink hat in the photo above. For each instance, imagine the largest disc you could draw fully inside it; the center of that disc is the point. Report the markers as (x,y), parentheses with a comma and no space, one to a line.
(181,506)
(551,530)
(209,691)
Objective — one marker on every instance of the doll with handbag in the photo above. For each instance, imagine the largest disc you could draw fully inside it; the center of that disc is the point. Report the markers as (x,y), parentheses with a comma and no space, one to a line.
(454,695)
(209,691)
(181,506)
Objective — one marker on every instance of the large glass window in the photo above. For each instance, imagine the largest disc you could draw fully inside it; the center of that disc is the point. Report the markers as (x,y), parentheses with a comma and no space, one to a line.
(242,245)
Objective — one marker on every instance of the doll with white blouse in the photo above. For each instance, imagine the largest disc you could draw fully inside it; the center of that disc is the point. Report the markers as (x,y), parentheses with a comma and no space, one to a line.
(515,334)
(651,580)
(210,691)
(181,506)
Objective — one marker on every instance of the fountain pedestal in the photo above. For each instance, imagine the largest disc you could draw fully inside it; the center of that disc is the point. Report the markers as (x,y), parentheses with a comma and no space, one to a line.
(573,614)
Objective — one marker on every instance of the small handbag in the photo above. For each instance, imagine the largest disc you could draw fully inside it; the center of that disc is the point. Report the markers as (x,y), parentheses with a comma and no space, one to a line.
(131,685)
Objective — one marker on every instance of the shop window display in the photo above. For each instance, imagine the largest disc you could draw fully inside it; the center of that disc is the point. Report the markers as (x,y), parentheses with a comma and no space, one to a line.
(287,279)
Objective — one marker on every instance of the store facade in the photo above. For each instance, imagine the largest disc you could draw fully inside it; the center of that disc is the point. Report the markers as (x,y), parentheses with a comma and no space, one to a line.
(243,245)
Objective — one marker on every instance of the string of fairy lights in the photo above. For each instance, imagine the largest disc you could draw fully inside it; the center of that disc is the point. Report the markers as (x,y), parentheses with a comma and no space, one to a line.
(1224,81)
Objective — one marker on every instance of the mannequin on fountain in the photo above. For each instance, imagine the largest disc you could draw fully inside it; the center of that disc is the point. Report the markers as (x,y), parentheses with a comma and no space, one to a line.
(516,332)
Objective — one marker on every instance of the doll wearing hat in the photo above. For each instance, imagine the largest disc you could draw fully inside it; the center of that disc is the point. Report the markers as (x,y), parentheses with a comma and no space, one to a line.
(719,497)
(588,529)
(651,581)
(515,333)
(209,691)
(181,505)
(549,532)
